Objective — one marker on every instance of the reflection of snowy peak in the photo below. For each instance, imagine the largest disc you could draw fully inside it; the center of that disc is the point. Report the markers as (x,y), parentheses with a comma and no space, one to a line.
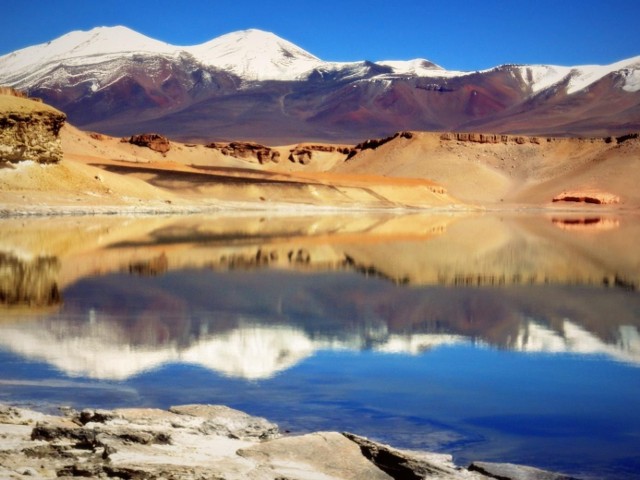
(534,337)
(260,352)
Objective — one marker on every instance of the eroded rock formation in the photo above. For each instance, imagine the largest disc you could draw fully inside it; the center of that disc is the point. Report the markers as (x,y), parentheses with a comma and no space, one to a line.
(29,130)
(153,141)
(303,154)
(253,150)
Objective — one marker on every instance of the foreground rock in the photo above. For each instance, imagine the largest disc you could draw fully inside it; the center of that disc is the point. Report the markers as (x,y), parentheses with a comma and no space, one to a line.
(205,441)
(29,130)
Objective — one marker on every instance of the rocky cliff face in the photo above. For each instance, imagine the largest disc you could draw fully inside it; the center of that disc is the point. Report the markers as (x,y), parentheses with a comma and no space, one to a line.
(29,130)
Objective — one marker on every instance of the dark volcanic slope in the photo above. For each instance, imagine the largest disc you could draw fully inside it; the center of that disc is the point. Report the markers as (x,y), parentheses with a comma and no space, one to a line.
(345,110)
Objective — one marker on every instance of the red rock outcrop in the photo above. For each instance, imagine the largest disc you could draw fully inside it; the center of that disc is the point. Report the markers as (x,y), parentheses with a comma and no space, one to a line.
(587,196)
(154,141)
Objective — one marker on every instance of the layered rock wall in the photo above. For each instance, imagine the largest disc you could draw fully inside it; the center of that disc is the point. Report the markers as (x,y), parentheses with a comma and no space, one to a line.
(29,130)
(491,138)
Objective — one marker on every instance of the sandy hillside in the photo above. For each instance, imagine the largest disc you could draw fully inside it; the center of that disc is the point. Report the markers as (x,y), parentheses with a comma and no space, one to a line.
(527,171)
(513,170)
(101,173)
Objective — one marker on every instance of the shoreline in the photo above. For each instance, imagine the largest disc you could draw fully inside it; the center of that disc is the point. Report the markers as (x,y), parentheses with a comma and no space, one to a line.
(212,441)
(291,209)
(281,209)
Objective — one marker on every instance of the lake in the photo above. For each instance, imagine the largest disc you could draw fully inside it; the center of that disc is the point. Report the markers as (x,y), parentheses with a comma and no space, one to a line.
(493,337)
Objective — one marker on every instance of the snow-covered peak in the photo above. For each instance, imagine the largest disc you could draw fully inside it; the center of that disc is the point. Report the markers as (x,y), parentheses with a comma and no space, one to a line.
(80,48)
(105,40)
(256,55)
(98,41)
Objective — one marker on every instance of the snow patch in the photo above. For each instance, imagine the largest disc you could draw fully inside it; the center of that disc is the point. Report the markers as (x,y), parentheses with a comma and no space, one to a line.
(541,77)
(421,68)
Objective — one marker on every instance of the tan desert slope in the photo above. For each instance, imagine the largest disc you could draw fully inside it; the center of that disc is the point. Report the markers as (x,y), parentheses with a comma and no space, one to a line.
(503,169)
(102,174)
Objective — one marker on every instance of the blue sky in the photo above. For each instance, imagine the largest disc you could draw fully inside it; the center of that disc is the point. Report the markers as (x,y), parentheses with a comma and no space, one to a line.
(465,35)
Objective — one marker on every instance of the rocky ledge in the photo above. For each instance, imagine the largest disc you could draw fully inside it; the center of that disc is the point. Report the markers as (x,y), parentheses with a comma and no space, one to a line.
(210,442)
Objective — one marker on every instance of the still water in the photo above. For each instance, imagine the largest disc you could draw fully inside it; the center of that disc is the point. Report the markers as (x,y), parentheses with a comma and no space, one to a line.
(495,338)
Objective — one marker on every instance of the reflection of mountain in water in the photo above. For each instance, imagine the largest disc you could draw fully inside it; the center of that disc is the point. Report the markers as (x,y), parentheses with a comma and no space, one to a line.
(139,293)
(255,324)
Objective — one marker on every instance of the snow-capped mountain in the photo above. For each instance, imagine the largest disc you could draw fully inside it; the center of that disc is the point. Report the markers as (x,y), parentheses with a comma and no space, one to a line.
(255,85)
(256,55)
(249,54)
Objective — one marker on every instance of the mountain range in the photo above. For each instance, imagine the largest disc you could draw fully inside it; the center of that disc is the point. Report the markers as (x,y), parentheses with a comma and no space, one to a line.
(254,85)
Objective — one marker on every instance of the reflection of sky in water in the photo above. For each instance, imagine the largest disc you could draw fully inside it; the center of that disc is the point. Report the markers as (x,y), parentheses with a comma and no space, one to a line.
(476,402)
